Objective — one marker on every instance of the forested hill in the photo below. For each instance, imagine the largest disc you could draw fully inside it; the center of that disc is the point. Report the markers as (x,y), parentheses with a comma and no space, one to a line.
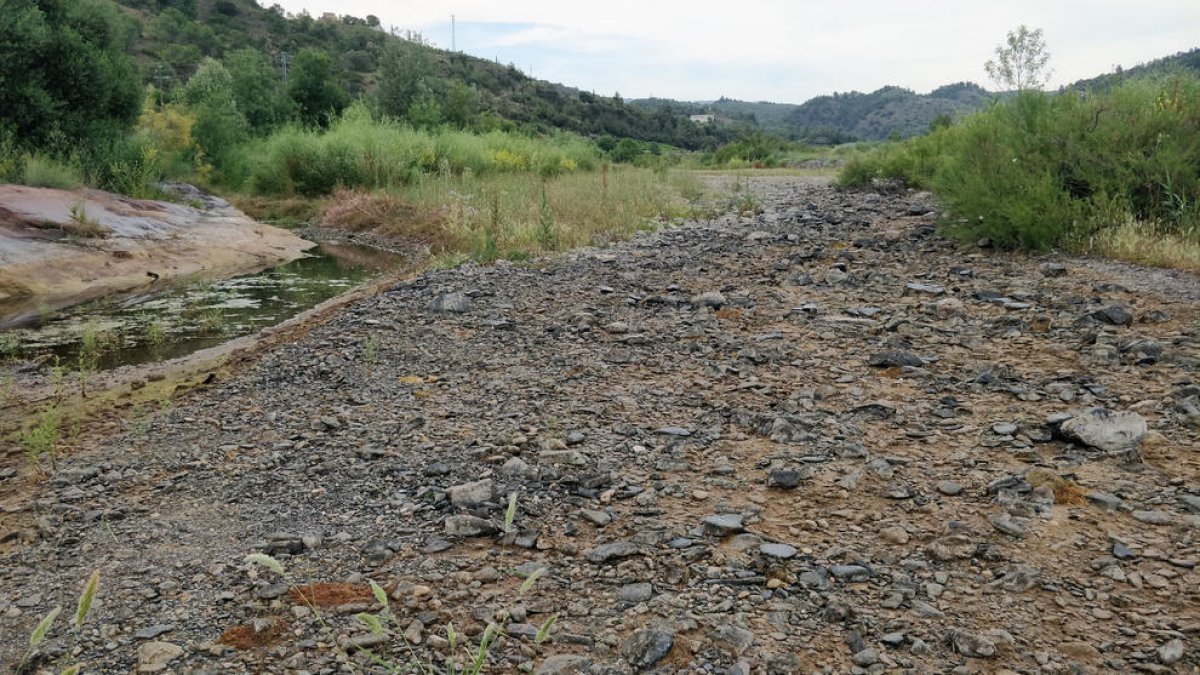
(889,111)
(853,116)
(172,37)
(1188,61)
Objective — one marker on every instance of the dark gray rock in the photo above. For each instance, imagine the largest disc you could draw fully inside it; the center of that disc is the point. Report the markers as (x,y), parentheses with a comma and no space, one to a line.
(455,303)
(646,647)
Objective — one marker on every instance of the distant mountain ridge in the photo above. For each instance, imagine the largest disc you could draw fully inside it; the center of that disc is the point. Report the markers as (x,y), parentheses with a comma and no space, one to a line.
(889,111)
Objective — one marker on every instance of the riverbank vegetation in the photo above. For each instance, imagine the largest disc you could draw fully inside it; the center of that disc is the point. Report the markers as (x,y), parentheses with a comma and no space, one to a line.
(1111,172)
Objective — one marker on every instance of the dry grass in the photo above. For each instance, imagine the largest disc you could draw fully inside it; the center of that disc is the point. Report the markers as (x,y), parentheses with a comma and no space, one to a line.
(1146,244)
(519,215)
(266,633)
(327,595)
(385,214)
(280,210)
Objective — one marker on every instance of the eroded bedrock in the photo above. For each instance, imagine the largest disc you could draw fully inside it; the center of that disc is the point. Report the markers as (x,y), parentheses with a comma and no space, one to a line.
(62,247)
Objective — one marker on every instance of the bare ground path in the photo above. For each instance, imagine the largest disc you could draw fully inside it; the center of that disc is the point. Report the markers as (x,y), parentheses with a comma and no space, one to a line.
(817,438)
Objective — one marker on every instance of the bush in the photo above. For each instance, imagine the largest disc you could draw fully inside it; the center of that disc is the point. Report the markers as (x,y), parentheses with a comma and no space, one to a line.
(43,171)
(358,152)
(1041,170)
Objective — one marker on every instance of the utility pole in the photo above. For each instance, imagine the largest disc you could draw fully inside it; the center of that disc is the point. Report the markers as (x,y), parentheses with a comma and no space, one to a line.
(453,36)
(284,59)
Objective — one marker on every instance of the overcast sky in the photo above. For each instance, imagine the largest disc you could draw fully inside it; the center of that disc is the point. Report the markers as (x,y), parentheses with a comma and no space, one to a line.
(781,50)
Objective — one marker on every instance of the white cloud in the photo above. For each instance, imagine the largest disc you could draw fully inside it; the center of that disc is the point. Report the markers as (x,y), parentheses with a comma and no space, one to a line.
(780,50)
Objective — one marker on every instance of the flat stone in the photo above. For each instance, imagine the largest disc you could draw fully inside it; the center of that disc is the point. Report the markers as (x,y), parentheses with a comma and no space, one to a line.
(154,656)
(851,573)
(780,551)
(636,592)
(973,646)
(723,524)
(471,494)
(1106,430)
(612,551)
(151,632)
(564,664)
(895,359)
(1153,517)
(949,488)
(646,647)
(733,639)
(1171,652)
(1113,315)
(455,303)
(468,526)
(712,299)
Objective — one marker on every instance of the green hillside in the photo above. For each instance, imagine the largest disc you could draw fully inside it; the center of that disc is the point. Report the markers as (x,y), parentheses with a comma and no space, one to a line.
(890,111)
(170,39)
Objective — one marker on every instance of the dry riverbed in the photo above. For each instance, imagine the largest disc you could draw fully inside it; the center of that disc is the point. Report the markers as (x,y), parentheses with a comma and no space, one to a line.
(816,439)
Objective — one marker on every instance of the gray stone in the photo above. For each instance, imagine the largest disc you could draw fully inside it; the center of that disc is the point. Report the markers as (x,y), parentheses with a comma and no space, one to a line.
(1106,430)
(471,494)
(949,488)
(468,526)
(596,517)
(564,664)
(1004,428)
(732,639)
(712,299)
(1005,523)
(1153,517)
(612,551)
(456,303)
(646,647)
(723,524)
(154,656)
(780,551)
(517,467)
(636,592)
(151,632)
(1113,315)
(1051,269)
(866,657)
(895,359)
(1171,652)
(786,479)
(973,646)
(851,573)
(924,289)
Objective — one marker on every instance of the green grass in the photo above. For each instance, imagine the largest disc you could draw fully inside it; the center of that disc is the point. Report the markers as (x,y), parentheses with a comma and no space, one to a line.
(43,171)
(359,152)
(1042,170)
(517,216)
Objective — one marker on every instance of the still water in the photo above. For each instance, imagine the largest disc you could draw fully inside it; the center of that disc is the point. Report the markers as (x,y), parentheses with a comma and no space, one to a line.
(178,320)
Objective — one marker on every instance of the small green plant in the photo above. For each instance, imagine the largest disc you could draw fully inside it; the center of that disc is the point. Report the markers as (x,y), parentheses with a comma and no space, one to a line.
(371,349)
(380,624)
(42,439)
(545,234)
(81,225)
(212,321)
(84,606)
(155,333)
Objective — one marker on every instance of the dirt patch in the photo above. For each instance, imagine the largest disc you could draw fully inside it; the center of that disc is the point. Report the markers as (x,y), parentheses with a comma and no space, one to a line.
(260,634)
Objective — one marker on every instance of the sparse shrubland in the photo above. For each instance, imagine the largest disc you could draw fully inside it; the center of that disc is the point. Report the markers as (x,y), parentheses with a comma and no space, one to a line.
(1088,172)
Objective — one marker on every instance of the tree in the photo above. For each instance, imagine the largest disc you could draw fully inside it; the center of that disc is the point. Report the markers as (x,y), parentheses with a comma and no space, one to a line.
(311,84)
(219,124)
(406,75)
(65,76)
(256,88)
(1021,62)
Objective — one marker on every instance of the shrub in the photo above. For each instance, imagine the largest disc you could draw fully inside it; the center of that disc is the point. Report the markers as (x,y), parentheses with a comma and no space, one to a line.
(1041,170)
(43,171)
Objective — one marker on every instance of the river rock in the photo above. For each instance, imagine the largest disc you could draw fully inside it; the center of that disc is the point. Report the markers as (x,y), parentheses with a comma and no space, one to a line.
(1106,430)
